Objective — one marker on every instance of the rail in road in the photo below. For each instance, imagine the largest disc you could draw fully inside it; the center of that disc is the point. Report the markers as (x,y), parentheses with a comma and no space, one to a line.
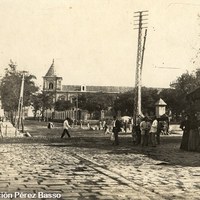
(38,169)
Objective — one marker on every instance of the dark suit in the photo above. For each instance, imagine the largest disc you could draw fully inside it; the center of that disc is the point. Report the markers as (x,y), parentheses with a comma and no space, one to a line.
(116,130)
(185,126)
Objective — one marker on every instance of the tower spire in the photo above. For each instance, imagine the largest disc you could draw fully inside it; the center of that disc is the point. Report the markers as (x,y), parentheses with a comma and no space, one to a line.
(51,72)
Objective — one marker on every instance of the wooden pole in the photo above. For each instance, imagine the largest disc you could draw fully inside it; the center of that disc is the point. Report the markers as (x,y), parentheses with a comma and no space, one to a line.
(20,105)
(140,53)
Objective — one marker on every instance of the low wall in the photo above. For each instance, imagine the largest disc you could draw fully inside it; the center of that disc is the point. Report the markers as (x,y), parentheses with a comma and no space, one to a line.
(8,130)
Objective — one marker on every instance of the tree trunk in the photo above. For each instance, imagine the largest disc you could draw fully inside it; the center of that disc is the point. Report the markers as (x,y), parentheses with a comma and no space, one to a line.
(12,119)
(22,123)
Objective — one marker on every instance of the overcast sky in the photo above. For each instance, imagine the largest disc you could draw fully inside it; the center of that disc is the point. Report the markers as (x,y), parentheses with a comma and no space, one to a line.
(93,41)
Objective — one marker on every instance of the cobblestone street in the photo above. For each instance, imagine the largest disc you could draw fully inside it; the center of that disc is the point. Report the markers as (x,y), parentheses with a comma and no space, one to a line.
(87,166)
(36,168)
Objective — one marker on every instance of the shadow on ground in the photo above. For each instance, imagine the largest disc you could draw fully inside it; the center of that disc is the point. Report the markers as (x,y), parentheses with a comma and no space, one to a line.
(167,153)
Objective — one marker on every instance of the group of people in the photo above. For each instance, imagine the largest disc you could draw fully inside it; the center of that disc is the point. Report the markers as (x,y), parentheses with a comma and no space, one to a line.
(147,131)
(116,128)
(191,133)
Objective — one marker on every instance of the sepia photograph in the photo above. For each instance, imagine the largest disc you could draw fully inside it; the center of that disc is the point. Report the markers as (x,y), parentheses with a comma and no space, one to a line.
(100,99)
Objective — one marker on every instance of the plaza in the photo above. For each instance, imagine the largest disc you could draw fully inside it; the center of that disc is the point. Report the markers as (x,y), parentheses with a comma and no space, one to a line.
(87,166)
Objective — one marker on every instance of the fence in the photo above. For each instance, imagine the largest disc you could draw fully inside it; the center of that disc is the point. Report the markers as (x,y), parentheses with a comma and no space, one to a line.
(75,114)
(61,114)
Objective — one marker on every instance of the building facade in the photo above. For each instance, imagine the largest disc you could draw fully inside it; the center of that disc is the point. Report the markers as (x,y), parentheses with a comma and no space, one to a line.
(53,83)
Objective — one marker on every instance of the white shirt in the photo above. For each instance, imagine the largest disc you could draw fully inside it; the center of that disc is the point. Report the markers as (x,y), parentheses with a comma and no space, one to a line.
(66,124)
(154,126)
(113,123)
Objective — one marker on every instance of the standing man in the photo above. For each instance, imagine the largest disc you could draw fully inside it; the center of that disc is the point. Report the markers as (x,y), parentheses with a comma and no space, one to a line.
(137,129)
(66,126)
(106,128)
(154,131)
(144,128)
(116,129)
(185,126)
(125,126)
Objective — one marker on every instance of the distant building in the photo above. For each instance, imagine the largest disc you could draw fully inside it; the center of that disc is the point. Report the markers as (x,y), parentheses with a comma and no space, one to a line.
(53,83)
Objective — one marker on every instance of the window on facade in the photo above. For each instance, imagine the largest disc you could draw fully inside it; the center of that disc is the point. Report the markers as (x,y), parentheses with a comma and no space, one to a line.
(50,86)
(62,98)
(83,88)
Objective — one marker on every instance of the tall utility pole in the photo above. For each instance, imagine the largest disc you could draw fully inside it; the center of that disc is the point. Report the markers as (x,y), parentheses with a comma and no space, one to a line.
(141,24)
(20,106)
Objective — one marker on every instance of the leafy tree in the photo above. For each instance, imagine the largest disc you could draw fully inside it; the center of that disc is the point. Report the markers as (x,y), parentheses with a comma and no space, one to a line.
(36,103)
(149,98)
(95,101)
(176,97)
(62,105)
(172,99)
(185,83)
(10,88)
(82,101)
(42,101)
(125,103)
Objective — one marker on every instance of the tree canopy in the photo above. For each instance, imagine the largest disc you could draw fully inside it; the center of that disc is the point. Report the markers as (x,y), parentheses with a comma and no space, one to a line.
(10,87)
(62,105)
(176,96)
(125,101)
(42,101)
(95,101)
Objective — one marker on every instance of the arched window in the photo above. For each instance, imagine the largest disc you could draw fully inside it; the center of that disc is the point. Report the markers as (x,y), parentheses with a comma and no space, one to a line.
(50,86)
(83,88)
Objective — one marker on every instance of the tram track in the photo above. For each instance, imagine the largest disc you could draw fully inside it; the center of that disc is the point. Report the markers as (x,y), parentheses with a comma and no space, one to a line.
(120,179)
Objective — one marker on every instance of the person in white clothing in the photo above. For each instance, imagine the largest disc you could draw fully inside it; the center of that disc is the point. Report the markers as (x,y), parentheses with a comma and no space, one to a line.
(66,126)
(153,132)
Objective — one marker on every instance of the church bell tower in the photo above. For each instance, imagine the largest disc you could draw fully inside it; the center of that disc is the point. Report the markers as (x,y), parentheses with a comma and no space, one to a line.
(52,82)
